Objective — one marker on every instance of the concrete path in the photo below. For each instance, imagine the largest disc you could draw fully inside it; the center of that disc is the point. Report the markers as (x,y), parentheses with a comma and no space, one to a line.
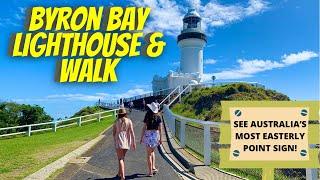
(101,161)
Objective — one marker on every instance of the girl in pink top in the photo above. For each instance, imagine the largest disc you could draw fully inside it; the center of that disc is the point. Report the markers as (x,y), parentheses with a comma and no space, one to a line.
(124,139)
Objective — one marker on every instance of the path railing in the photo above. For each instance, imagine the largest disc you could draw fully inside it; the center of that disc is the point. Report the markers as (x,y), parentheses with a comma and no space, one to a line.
(54,125)
(163,92)
(168,97)
(201,136)
(194,133)
(186,131)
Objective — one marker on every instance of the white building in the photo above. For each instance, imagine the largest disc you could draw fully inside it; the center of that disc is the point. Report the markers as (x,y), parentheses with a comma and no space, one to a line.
(191,42)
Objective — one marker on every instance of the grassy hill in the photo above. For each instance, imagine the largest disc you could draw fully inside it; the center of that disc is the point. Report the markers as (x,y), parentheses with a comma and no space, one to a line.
(204,103)
(88,110)
(23,155)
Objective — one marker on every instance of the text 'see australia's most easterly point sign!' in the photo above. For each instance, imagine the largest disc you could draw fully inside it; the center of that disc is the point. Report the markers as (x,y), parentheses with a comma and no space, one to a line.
(268,134)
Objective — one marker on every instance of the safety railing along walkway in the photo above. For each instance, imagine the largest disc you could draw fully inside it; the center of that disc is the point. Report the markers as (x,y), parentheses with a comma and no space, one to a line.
(172,119)
(163,92)
(198,135)
(54,125)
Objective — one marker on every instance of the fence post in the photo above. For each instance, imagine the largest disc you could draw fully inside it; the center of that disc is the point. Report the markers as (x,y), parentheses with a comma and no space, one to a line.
(79,121)
(182,133)
(99,118)
(115,113)
(311,174)
(29,130)
(172,120)
(179,94)
(207,144)
(54,128)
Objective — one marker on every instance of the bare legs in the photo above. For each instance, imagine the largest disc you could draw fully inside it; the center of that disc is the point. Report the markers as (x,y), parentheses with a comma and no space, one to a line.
(151,160)
(121,153)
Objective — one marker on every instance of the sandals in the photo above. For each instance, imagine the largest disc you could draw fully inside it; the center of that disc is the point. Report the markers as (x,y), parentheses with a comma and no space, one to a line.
(155,171)
(118,177)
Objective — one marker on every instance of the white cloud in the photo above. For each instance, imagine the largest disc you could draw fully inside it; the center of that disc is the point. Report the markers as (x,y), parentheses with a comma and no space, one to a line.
(209,61)
(4,22)
(87,97)
(176,63)
(166,15)
(194,3)
(22,10)
(16,20)
(247,68)
(255,7)
(301,56)
(210,45)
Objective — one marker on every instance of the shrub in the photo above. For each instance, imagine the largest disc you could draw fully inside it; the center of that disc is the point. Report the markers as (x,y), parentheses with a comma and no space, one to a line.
(204,103)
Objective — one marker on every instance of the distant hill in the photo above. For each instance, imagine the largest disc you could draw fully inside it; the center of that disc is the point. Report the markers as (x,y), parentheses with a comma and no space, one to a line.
(88,110)
(204,103)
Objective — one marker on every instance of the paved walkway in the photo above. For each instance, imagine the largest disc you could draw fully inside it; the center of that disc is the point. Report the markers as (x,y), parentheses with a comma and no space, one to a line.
(101,162)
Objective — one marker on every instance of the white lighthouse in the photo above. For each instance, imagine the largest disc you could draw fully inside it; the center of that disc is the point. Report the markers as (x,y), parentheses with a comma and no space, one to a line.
(191,42)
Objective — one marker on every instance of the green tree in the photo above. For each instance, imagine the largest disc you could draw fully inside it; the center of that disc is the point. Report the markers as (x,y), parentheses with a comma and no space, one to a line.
(13,114)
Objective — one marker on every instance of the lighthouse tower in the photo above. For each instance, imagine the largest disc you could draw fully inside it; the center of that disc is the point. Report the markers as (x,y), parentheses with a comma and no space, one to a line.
(191,42)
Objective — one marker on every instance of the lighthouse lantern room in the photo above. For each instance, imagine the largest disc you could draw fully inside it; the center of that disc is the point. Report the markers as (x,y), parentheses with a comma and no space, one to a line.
(191,42)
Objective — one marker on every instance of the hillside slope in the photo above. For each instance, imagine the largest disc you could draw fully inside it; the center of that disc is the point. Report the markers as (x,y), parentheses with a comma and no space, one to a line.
(204,103)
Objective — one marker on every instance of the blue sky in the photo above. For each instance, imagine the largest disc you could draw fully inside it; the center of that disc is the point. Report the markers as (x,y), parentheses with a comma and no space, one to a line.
(271,42)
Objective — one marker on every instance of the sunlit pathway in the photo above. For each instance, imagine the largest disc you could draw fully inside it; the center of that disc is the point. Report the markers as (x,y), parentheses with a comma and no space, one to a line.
(102,161)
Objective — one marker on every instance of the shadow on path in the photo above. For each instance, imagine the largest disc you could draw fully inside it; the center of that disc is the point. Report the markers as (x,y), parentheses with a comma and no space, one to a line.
(133,176)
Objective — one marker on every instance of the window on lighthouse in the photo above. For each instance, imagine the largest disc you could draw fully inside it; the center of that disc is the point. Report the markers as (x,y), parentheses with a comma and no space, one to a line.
(191,22)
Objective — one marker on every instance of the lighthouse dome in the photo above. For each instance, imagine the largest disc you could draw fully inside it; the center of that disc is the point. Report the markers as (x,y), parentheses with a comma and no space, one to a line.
(192,13)
(192,26)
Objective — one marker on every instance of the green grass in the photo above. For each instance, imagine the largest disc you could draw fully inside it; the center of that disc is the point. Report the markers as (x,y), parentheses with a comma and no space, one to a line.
(204,103)
(22,156)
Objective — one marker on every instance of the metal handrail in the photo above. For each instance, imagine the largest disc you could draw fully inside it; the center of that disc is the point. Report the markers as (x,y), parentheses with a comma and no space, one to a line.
(198,121)
(146,94)
(169,95)
(187,87)
(170,119)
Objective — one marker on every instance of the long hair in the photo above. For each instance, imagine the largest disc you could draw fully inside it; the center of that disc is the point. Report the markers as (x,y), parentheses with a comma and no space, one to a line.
(150,117)
(121,118)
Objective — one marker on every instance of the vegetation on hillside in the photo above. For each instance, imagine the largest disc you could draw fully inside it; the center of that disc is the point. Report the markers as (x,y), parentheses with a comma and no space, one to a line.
(13,114)
(88,110)
(204,103)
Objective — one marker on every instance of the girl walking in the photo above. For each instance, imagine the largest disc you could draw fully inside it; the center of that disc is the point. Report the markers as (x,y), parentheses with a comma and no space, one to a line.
(151,135)
(124,139)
